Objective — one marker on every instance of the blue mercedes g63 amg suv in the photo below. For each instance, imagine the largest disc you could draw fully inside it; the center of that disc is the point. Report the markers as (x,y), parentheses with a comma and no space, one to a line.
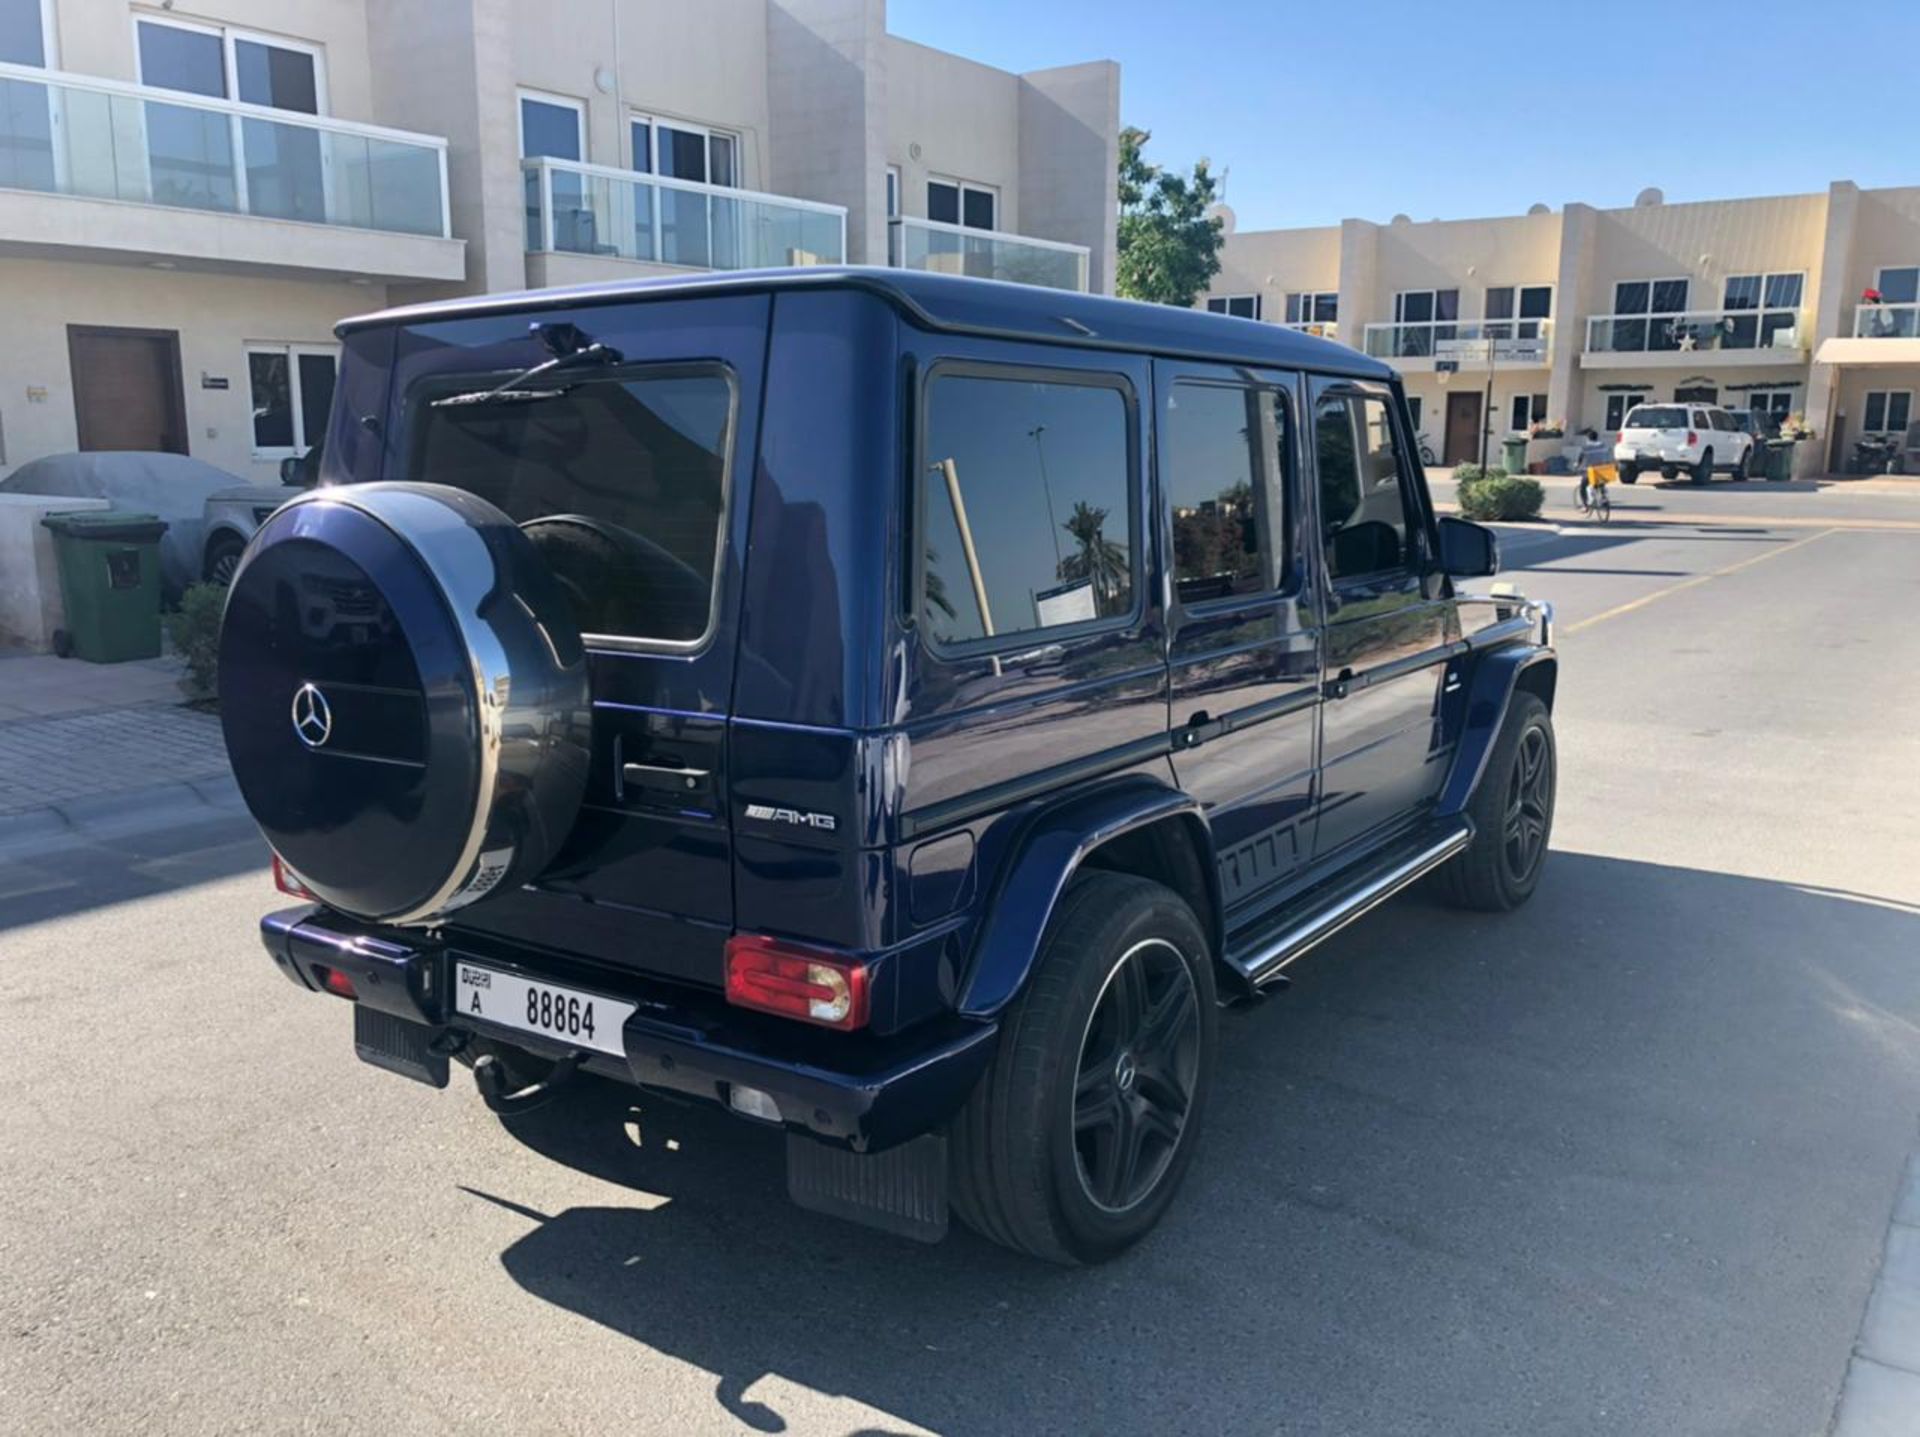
(895,707)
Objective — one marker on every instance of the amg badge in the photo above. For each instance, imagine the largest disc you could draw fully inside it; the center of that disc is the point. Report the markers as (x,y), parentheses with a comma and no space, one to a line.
(800,818)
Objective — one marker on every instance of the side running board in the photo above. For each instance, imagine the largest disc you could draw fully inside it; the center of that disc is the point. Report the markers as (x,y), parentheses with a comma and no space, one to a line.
(1325,909)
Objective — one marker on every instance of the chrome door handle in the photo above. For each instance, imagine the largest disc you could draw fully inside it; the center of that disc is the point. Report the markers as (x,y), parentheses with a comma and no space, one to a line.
(659,778)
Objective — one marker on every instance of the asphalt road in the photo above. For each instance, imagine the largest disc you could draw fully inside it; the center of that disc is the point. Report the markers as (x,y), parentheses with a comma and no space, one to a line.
(1620,1163)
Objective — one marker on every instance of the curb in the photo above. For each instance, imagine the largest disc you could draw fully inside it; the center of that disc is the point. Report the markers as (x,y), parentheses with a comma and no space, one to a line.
(110,816)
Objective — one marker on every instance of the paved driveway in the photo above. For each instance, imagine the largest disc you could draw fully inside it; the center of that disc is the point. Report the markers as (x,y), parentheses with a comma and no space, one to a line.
(1622,1162)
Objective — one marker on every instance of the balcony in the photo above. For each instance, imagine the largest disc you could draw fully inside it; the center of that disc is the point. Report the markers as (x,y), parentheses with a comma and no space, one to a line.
(1472,344)
(1883,335)
(592,221)
(1887,321)
(1732,336)
(1318,328)
(214,184)
(985,254)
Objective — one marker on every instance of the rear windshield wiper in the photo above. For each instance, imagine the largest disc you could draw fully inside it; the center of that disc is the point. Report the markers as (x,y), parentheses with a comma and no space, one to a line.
(570,348)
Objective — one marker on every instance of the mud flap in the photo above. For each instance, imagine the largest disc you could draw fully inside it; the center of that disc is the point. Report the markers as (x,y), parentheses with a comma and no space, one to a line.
(902,1190)
(398,1046)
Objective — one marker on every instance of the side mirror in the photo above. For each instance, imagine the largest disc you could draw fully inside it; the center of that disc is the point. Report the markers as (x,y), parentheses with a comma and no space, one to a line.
(1468,550)
(290,470)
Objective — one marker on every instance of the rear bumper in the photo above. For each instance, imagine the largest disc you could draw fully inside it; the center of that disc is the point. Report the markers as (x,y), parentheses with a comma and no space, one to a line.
(1654,456)
(853,1090)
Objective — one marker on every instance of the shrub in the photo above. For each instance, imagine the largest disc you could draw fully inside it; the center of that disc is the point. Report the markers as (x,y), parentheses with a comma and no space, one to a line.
(194,631)
(1468,475)
(1502,496)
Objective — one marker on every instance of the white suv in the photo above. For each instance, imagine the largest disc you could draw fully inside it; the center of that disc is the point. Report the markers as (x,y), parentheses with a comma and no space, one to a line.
(1697,438)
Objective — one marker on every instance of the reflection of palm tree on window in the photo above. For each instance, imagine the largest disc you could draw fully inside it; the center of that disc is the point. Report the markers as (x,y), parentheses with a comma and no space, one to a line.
(1099,558)
(936,585)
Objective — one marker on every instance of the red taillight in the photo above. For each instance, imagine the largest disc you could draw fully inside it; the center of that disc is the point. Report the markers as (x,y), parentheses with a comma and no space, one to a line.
(288,882)
(796,982)
(1621,437)
(334,981)
(1692,438)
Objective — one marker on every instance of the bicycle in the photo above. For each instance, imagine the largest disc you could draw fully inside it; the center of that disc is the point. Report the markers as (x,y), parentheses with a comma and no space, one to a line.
(1425,446)
(1592,496)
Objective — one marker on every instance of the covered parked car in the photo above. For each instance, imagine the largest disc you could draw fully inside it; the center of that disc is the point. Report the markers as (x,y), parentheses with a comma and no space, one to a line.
(169,486)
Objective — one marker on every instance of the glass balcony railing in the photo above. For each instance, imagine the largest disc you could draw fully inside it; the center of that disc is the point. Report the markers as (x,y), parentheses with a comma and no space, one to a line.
(985,254)
(1887,321)
(1706,329)
(101,139)
(591,209)
(1513,341)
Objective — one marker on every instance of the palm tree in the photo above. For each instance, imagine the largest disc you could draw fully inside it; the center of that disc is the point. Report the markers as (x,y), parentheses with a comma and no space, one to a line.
(1099,558)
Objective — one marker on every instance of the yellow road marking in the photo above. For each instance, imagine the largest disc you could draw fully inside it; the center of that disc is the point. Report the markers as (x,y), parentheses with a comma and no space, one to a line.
(1694,582)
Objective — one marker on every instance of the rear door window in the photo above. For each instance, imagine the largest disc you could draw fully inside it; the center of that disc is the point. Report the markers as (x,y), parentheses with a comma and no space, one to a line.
(1225,488)
(619,477)
(1027,521)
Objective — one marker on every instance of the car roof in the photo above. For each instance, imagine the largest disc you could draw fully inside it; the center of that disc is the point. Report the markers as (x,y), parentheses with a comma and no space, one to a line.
(954,304)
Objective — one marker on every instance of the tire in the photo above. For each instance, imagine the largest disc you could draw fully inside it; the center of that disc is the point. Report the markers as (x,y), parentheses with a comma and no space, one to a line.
(1033,1153)
(1703,471)
(1742,469)
(1629,475)
(1491,876)
(223,559)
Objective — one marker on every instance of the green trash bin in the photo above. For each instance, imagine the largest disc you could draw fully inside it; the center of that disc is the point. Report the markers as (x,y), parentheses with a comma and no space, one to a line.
(1514,453)
(110,583)
(1779,461)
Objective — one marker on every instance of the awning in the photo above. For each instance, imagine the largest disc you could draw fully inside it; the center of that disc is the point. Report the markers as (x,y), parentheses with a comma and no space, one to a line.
(1868,351)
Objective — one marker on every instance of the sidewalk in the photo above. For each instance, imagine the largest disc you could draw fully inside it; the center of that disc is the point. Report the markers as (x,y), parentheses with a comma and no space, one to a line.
(103,750)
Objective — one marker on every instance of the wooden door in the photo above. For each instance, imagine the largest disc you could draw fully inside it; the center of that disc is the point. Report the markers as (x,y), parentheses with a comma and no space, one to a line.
(126,389)
(1463,427)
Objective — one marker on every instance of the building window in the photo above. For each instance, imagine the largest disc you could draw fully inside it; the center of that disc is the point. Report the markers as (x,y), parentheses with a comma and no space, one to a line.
(291,388)
(1661,299)
(1422,318)
(893,192)
(1759,307)
(1770,407)
(26,32)
(960,202)
(1515,311)
(1224,451)
(1898,284)
(1320,306)
(1027,501)
(683,151)
(1528,410)
(1240,306)
(1413,412)
(190,153)
(554,127)
(1887,411)
(1618,405)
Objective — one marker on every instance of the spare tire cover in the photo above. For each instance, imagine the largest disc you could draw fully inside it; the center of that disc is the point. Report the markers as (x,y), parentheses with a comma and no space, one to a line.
(405,698)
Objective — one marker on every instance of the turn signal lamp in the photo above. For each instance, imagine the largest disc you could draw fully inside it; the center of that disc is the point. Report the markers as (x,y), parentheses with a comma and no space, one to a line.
(288,882)
(796,982)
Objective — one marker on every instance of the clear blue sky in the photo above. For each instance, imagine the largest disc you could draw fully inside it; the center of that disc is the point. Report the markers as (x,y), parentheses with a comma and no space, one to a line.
(1481,107)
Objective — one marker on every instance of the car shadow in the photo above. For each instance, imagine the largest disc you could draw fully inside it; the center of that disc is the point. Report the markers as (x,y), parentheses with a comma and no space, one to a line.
(1620,1161)
(71,873)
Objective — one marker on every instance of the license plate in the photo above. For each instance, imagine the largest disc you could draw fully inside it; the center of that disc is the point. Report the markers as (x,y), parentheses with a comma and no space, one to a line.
(566,1015)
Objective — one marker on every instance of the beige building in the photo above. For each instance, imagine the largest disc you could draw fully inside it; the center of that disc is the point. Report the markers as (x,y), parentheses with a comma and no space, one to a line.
(1575,315)
(192,192)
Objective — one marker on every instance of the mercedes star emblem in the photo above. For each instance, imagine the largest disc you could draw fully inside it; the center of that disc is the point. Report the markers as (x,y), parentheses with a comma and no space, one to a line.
(312,716)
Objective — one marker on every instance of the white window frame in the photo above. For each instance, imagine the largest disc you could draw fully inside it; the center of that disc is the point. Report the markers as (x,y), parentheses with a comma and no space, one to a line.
(228,36)
(1225,302)
(1886,404)
(1305,301)
(1628,398)
(896,186)
(653,120)
(292,353)
(1526,398)
(1517,319)
(1653,284)
(547,97)
(1880,278)
(992,192)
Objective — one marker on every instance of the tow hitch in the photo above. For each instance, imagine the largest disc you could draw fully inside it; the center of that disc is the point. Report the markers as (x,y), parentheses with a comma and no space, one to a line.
(490,1077)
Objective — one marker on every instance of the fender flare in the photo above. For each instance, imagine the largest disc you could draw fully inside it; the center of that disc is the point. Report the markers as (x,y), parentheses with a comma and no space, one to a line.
(1490,695)
(1045,858)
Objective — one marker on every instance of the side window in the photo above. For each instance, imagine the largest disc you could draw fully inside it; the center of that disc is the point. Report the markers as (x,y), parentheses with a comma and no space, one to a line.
(1027,498)
(1721,419)
(1363,506)
(1226,455)
(1700,421)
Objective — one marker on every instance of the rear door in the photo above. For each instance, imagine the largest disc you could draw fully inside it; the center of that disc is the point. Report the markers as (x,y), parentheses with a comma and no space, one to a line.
(1245,670)
(630,476)
(1390,626)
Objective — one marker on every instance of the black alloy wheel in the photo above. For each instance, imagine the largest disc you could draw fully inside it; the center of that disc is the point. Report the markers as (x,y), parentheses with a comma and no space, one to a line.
(1133,1087)
(1529,810)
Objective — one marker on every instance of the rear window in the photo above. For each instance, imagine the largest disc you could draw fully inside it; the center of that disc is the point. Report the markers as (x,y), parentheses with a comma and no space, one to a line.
(619,477)
(1657,416)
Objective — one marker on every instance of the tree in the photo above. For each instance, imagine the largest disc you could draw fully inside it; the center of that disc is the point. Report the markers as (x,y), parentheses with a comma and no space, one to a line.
(1099,559)
(1169,244)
